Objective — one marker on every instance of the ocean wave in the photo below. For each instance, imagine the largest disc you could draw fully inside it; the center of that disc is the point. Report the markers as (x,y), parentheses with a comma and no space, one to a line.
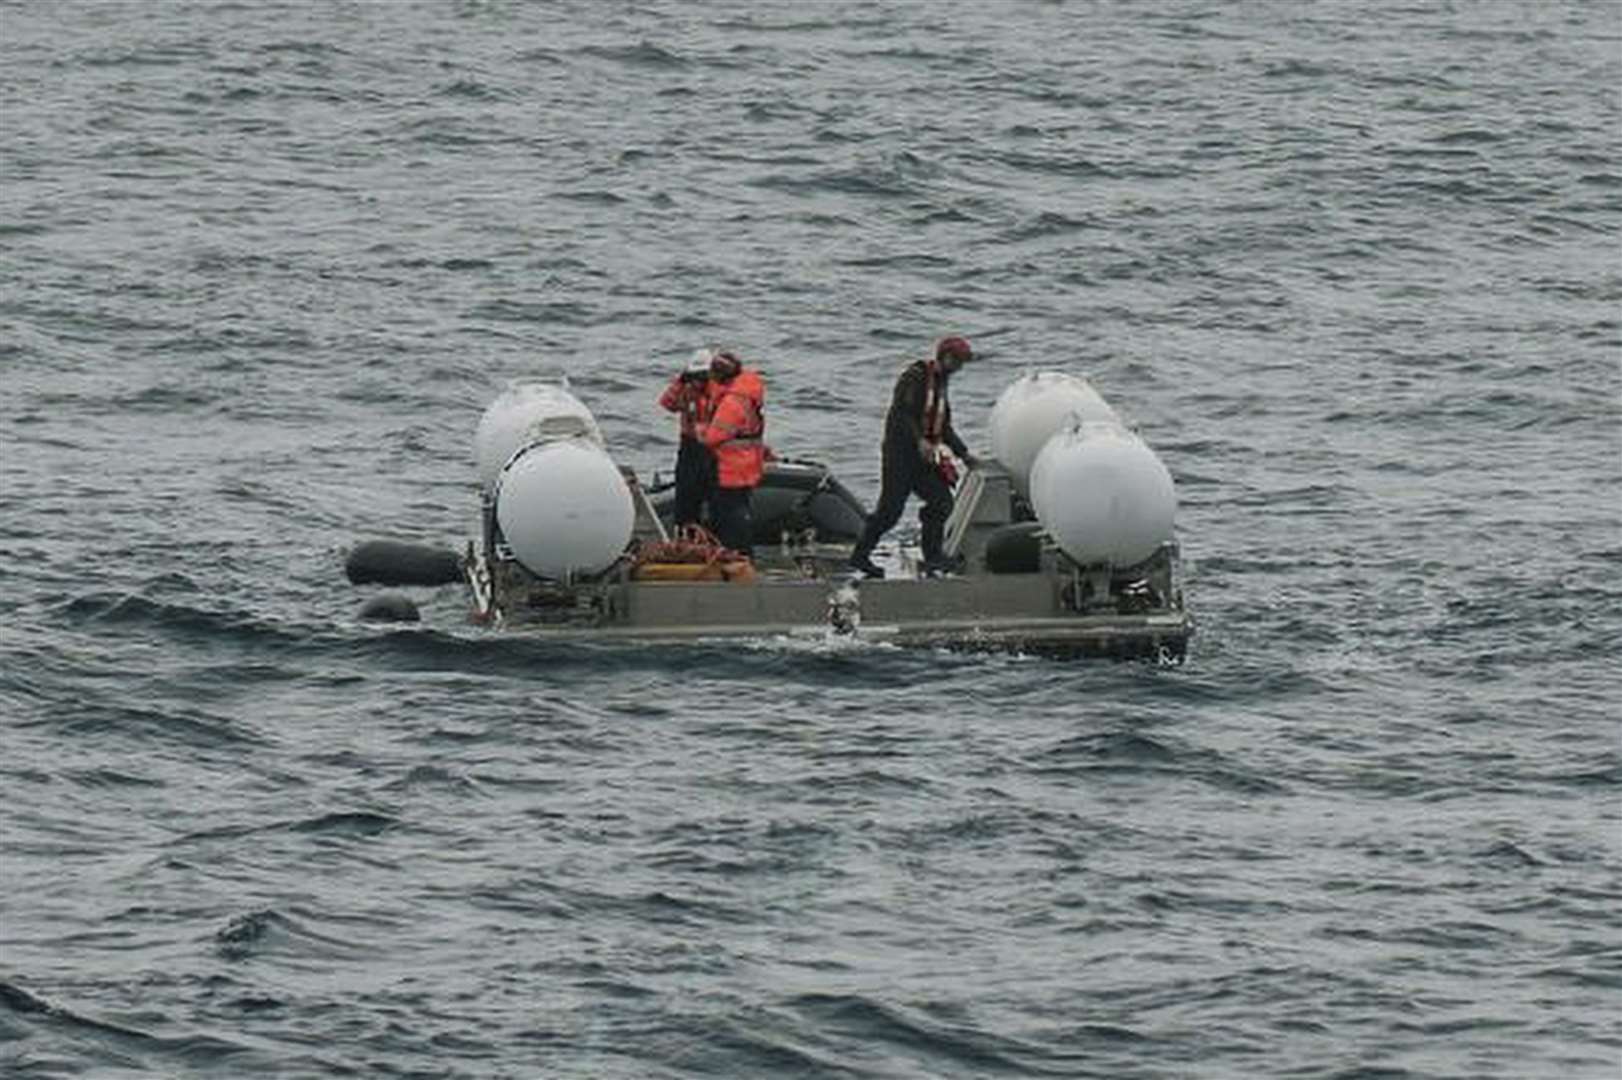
(1354,283)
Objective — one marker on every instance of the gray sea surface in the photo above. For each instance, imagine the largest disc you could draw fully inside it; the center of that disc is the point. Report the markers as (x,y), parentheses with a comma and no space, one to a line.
(1353,267)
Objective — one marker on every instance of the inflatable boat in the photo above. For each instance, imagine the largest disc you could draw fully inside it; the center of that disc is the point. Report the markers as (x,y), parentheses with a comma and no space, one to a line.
(1062,540)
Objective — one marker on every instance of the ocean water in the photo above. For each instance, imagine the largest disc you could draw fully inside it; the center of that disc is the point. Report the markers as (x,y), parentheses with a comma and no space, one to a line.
(1353,267)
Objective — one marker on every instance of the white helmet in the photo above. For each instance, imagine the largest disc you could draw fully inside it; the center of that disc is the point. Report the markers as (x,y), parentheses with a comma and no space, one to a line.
(699,363)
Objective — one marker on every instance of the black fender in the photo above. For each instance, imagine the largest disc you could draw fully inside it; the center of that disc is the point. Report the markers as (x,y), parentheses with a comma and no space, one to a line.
(1015,549)
(390,607)
(392,562)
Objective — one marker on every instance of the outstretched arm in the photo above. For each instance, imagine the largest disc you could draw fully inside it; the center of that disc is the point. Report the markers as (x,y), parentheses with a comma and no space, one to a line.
(950,437)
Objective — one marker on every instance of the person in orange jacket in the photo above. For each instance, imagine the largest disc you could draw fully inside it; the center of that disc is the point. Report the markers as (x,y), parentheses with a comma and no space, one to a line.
(735,432)
(688,395)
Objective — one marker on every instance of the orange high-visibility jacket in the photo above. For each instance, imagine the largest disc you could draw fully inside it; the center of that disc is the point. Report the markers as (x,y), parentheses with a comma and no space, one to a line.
(692,398)
(736,430)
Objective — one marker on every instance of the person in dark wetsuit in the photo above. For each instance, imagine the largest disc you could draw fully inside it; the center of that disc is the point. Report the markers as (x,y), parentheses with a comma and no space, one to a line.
(916,429)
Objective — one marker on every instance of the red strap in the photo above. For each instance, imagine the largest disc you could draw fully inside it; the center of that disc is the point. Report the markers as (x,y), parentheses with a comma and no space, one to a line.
(934,403)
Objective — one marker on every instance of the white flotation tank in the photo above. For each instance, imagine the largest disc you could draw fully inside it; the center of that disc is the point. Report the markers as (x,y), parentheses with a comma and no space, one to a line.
(528,411)
(1032,410)
(564,507)
(1102,494)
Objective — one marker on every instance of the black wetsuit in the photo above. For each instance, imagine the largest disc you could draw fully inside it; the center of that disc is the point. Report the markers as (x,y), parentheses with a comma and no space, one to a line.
(907,471)
(695,480)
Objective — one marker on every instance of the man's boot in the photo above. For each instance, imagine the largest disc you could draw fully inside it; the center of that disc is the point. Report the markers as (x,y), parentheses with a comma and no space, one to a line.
(861,559)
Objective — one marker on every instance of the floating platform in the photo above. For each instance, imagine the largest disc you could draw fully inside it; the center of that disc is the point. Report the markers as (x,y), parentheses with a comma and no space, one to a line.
(1014,591)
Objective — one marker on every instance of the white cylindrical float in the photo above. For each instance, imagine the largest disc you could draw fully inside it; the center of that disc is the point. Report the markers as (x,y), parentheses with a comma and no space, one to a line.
(1102,494)
(564,508)
(528,411)
(1032,410)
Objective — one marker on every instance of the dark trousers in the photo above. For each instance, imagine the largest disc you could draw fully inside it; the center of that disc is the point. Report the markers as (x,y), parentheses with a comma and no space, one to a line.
(695,481)
(907,473)
(734,523)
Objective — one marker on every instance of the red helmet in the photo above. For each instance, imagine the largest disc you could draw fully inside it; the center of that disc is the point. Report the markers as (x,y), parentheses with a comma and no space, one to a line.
(724,365)
(954,348)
